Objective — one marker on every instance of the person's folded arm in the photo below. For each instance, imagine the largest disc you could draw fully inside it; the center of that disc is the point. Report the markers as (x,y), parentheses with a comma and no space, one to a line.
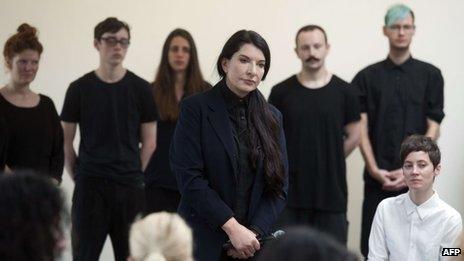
(435,104)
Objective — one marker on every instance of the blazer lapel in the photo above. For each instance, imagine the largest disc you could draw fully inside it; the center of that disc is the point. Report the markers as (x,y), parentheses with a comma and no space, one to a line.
(219,119)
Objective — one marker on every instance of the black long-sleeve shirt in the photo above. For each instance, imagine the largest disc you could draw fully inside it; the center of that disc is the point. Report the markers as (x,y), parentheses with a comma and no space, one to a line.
(398,99)
(35,137)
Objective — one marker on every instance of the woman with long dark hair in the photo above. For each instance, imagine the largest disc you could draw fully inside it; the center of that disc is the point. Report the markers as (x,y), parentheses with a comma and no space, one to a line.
(34,134)
(228,154)
(178,76)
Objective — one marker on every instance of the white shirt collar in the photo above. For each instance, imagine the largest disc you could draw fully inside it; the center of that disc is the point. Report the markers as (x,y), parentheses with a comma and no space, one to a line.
(423,210)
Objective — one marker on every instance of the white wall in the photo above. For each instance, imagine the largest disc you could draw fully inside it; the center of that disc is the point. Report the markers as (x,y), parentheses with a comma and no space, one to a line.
(353,27)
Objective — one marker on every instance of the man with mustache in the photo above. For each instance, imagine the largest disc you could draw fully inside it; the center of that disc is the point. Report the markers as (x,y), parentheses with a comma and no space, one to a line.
(399,96)
(115,112)
(321,124)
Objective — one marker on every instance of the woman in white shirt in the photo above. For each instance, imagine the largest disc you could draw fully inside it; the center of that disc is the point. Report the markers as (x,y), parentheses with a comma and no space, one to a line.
(416,225)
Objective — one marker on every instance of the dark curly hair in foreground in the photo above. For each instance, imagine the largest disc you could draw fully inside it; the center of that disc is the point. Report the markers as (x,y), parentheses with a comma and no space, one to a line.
(31,216)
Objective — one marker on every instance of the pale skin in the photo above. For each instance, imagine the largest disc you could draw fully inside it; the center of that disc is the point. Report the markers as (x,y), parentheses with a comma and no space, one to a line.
(400,36)
(419,174)
(244,71)
(314,75)
(110,70)
(179,58)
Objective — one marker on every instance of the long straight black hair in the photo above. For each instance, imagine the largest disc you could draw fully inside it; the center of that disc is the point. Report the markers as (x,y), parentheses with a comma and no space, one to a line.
(263,124)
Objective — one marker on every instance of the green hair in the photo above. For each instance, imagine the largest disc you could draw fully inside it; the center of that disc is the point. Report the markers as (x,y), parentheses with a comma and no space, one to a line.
(397,12)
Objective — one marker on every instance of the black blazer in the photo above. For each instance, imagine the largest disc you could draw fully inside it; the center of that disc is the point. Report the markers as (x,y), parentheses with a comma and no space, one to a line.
(201,156)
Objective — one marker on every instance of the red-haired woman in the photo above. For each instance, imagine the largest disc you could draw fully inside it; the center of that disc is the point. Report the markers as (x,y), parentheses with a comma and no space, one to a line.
(35,137)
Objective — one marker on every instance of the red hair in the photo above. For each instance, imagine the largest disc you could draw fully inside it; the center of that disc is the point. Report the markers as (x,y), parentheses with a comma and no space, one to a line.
(24,39)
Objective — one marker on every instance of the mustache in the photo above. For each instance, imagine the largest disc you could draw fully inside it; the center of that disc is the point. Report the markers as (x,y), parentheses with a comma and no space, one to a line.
(312,58)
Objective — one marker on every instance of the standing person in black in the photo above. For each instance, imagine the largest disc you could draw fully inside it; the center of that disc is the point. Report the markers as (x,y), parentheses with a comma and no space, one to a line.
(31,124)
(399,96)
(229,156)
(321,122)
(115,112)
(3,144)
(178,76)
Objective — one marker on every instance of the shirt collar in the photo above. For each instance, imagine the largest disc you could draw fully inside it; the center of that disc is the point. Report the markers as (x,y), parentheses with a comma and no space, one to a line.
(231,99)
(404,66)
(423,210)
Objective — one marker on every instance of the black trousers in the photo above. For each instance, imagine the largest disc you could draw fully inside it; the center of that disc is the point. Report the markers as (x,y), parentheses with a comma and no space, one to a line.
(372,197)
(334,224)
(102,207)
(161,199)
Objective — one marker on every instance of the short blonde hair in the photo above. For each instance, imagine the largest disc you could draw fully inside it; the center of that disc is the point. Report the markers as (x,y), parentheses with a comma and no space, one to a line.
(161,236)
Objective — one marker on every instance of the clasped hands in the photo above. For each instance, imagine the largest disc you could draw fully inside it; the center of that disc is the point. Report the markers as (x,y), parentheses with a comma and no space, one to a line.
(391,180)
(243,240)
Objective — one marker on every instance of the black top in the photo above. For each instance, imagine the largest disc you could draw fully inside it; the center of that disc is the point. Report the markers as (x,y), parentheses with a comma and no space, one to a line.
(398,99)
(109,117)
(314,121)
(158,173)
(237,109)
(35,137)
(3,143)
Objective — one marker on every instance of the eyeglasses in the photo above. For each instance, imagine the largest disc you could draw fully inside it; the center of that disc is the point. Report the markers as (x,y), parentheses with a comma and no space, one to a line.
(112,41)
(406,28)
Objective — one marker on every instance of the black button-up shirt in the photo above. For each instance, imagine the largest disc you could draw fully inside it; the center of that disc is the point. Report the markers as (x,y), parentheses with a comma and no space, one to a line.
(237,109)
(398,100)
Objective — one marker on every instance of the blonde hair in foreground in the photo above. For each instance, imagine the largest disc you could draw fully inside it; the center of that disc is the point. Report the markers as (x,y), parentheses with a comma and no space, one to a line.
(161,236)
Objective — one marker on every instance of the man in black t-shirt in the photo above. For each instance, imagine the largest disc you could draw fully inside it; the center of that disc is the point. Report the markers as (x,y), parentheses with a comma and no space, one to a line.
(399,96)
(115,112)
(321,124)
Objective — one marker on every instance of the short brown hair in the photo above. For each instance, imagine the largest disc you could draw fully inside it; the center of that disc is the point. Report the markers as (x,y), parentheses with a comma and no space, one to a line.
(24,39)
(415,143)
(110,25)
(309,28)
